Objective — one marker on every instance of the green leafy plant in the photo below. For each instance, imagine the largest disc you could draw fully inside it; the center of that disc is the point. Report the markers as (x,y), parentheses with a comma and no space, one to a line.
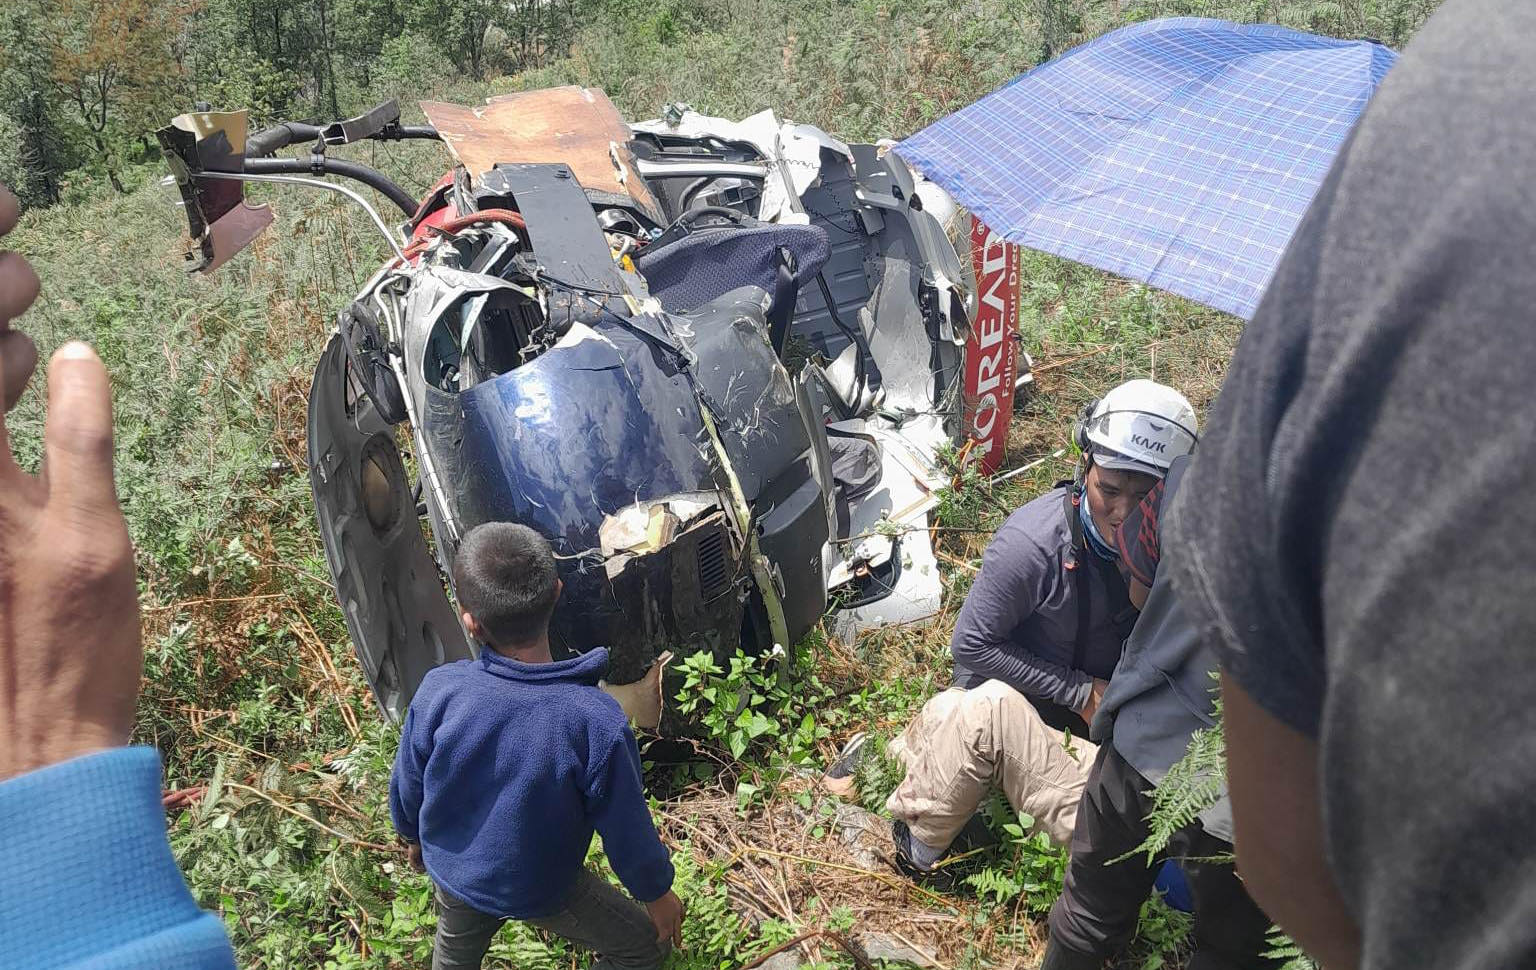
(752,704)
(1027,863)
(1194,783)
(1282,947)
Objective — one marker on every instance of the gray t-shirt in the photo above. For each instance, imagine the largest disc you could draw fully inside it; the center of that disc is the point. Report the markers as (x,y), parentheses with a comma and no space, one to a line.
(1162,691)
(1358,532)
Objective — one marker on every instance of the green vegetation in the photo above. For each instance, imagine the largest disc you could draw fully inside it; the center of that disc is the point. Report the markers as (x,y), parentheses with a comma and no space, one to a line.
(274,749)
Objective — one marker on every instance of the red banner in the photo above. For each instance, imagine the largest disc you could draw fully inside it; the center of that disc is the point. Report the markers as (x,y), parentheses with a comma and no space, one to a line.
(991,364)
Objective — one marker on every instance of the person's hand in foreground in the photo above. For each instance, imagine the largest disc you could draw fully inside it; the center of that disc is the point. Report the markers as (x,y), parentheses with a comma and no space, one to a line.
(19,286)
(84,828)
(667,916)
(70,654)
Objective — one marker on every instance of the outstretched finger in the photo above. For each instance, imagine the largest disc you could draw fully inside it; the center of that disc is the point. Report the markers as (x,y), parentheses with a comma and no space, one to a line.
(18,359)
(7,460)
(77,438)
(19,286)
(10,210)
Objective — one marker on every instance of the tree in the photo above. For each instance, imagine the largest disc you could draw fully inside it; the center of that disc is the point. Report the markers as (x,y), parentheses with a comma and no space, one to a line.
(114,65)
(458,28)
(39,149)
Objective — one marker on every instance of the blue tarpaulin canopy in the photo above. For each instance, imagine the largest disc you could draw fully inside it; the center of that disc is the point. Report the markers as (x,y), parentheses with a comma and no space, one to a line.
(1179,152)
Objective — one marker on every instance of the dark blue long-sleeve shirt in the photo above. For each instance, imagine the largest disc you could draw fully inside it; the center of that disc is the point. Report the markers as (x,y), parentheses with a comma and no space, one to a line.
(505,770)
(1019,621)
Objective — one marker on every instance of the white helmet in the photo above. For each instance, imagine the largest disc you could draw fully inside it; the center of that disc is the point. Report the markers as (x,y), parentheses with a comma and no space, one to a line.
(1140,426)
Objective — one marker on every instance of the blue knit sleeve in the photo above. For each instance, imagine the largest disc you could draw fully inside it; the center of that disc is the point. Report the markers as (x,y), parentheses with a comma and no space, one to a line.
(618,810)
(91,880)
(405,782)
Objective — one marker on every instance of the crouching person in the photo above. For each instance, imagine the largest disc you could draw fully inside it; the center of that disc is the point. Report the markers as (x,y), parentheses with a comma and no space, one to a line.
(1037,639)
(509,763)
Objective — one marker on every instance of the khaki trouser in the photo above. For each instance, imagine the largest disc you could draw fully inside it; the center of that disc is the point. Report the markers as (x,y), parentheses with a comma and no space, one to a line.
(964,741)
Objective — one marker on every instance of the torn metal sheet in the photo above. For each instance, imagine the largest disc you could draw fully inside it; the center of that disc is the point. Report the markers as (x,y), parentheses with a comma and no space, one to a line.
(219,220)
(793,150)
(646,528)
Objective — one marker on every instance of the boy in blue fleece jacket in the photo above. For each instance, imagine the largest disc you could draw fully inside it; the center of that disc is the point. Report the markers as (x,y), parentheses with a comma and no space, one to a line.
(510,762)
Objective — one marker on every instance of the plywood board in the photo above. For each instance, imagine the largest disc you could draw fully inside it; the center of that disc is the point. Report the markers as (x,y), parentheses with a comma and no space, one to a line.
(574,125)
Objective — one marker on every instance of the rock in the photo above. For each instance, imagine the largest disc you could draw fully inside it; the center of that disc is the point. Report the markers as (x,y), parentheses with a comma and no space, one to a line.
(788,960)
(865,835)
(879,946)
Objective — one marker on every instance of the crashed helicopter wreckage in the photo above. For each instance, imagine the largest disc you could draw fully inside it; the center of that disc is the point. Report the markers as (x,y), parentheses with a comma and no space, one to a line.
(714,362)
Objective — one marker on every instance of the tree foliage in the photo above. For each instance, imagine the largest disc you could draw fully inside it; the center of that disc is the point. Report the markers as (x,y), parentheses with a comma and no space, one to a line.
(83,83)
(113,66)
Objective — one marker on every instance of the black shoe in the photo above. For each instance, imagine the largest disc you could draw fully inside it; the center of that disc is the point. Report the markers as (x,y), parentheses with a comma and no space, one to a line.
(840,778)
(939,876)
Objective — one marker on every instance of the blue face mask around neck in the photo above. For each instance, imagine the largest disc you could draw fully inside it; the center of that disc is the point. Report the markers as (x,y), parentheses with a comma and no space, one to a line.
(1095,539)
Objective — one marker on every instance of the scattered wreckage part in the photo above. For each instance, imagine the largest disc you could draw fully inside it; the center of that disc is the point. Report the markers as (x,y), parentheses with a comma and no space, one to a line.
(822,466)
(651,168)
(889,532)
(1016,472)
(872,280)
(401,623)
(226,237)
(768,445)
(454,225)
(689,596)
(642,701)
(560,224)
(381,122)
(762,570)
(1024,383)
(457,224)
(687,586)
(368,357)
(321,165)
(794,152)
(373,213)
(689,265)
(219,221)
(597,423)
(858,340)
(911,589)
(571,125)
(214,146)
(646,527)
(909,266)
(424,457)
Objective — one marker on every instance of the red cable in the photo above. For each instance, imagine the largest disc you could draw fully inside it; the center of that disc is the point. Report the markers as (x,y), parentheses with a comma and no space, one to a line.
(505,216)
(458,223)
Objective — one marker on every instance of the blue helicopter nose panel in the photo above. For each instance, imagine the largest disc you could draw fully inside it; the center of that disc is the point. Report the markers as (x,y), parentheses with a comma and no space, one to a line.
(596,424)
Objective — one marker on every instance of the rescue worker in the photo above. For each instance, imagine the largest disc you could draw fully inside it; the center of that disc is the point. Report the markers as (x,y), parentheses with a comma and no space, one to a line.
(1038,637)
(1160,695)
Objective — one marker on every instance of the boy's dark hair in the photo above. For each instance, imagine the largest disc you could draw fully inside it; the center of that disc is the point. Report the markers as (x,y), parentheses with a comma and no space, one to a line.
(504,575)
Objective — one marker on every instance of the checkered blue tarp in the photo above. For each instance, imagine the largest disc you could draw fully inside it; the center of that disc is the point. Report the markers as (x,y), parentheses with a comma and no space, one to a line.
(1179,152)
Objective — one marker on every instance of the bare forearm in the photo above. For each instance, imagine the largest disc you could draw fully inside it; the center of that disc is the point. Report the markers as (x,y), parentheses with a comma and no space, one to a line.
(1272,775)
